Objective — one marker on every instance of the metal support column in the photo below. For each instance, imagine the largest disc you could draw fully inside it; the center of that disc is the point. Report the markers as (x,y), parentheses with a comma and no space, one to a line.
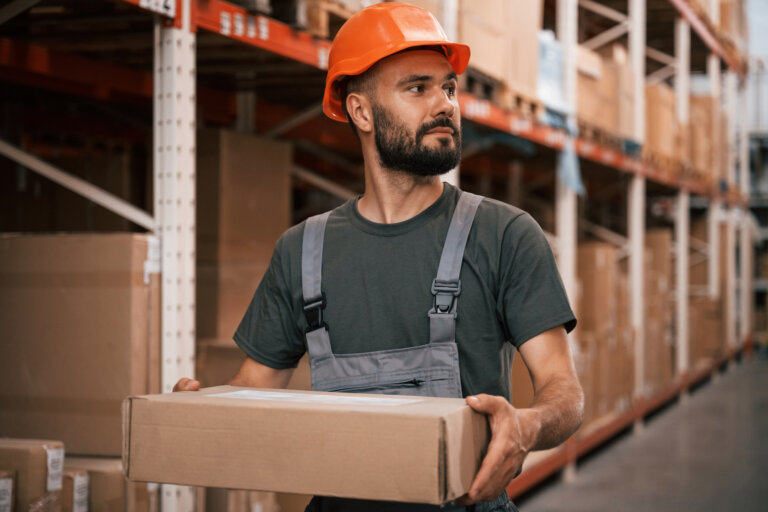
(729,293)
(682,216)
(174,171)
(449,19)
(747,243)
(566,199)
(636,193)
(714,216)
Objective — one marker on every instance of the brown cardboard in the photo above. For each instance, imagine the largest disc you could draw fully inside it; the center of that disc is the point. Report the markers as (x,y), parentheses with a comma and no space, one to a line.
(7,490)
(522,385)
(702,111)
(598,90)
(81,326)
(37,464)
(597,271)
(410,449)
(109,490)
(243,206)
(660,120)
(75,490)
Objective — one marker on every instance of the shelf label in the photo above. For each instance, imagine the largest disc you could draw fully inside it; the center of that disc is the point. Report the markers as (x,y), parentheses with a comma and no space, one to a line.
(555,137)
(608,156)
(587,148)
(322,58)
(520,125)
(263,28)
(478,109)
(226,24)
(239,25)
(165,7)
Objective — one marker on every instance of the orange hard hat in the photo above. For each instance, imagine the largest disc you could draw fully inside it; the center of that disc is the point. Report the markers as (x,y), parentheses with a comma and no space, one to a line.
(377,32)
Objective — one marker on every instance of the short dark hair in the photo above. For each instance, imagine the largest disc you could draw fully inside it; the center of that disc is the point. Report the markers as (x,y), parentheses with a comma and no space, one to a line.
(362,83)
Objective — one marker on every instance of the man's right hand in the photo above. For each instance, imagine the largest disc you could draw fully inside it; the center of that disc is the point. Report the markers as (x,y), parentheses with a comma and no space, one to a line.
(186,384)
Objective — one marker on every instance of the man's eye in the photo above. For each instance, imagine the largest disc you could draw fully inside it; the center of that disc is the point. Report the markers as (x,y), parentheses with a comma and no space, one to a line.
(416,88)
(451,90)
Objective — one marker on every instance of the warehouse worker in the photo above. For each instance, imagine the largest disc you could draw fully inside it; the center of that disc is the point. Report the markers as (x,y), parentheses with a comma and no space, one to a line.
(416,287)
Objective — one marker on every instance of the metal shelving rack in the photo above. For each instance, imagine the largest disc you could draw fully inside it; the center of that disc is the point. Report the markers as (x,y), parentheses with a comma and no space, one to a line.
(174,91)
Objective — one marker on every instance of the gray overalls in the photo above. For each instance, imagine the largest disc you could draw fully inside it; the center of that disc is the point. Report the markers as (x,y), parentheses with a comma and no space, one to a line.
(424,370)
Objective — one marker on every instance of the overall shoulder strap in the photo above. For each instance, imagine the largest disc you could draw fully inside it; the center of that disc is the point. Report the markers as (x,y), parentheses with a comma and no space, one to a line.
(446,287)
(318,341)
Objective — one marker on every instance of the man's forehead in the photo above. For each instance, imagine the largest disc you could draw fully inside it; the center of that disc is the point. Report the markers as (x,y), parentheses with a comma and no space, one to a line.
(425,60)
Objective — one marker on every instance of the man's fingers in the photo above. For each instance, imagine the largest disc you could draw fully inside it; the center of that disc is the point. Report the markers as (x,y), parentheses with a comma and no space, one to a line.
(489,470)
(485,404)
(185,384)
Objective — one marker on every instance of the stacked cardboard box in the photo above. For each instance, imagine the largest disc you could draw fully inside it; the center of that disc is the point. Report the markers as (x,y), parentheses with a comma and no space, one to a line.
(597,336)
(598,90)
(503,36)
(660,120)
(79,316)
(7,490)
(625,363)
(37,465)
(109,491)
(244,205)
(702,109)
(74,490)
(659,317)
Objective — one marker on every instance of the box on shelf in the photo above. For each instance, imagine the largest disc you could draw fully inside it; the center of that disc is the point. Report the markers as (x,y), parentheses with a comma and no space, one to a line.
(598,90)
(75,490)
(109,489)
(660,120)
(702,109)
(425,449)
(37,465)
(549,82)
(81,315)
(244,205)
(503,37)
(7,490)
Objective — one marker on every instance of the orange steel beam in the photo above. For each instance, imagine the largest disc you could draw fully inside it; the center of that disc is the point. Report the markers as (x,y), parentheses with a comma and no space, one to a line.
(538,473)
(712,40)
(261,31)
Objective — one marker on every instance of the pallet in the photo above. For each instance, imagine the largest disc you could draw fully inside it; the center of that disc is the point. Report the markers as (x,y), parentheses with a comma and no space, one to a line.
(666,166)
(600,136)
(325,17)
(482,86)
(523,104)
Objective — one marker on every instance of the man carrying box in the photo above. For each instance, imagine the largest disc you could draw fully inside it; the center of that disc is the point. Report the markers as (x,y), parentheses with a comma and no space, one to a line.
(371,290)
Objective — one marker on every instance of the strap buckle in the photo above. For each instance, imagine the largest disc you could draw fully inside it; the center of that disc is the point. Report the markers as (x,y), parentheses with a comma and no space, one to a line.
(313,311)
(445,293)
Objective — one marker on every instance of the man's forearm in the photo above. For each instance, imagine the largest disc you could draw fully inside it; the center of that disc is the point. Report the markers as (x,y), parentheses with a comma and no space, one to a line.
(559,408)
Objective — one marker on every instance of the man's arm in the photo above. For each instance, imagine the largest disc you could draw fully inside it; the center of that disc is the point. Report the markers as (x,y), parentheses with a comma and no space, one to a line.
(555,414)
(252,374)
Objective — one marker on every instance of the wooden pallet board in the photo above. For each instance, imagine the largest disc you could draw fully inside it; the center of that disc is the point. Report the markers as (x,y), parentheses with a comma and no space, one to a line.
(325,17)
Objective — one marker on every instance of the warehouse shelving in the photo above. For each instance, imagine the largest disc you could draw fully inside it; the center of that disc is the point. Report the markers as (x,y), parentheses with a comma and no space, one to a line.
(175,92)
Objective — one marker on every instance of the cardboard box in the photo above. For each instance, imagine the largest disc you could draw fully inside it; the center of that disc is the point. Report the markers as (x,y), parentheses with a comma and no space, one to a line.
(80,315)
(598,90)
(38,464)
(7,490)
(660,120)
(75,490)
(244,206)
(109,489)
(702,111)
(397,448)
(597,272)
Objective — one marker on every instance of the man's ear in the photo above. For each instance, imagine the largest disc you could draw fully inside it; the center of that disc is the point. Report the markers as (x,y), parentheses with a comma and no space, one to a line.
(360,112)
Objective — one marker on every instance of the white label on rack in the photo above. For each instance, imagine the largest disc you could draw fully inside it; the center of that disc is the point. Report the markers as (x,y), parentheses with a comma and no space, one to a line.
(322,58)
(478,109)
(6,494)
(154,255)
(263,28)
(520,125)
(80,499)
(55,465)
(226,24)
(249,394)
(251,30)
(239,24)
(608,156)
(166,7)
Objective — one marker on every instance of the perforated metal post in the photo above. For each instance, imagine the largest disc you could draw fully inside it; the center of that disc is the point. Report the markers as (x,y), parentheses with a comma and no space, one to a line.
(682,215)
(636,206)
(449,19)
(747,244)
(174,170)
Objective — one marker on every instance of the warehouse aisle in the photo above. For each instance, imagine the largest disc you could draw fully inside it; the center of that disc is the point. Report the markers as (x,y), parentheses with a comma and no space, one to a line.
(709,454)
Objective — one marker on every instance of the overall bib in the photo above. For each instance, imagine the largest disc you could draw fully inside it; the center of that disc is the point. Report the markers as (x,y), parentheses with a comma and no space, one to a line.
(424,370)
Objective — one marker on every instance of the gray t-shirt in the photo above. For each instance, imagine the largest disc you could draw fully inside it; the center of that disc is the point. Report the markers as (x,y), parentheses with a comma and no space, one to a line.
(377,279)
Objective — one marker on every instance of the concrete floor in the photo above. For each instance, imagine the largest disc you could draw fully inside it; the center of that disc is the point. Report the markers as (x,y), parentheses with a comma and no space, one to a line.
(708,454)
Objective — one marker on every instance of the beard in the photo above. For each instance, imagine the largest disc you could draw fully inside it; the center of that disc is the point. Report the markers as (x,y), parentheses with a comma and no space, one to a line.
(399,151)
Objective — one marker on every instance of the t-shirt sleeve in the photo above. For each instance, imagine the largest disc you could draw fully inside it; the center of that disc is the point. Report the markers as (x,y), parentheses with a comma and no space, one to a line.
(532,297)
(268,332)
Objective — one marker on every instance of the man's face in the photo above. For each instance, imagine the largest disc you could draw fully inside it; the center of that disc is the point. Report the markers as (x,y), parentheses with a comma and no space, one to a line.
(417,126)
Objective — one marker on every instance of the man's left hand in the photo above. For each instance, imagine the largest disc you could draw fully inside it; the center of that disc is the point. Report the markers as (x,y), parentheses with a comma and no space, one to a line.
(513,434)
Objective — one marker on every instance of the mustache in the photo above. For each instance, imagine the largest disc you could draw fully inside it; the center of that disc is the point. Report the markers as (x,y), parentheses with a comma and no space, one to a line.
(442,122)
